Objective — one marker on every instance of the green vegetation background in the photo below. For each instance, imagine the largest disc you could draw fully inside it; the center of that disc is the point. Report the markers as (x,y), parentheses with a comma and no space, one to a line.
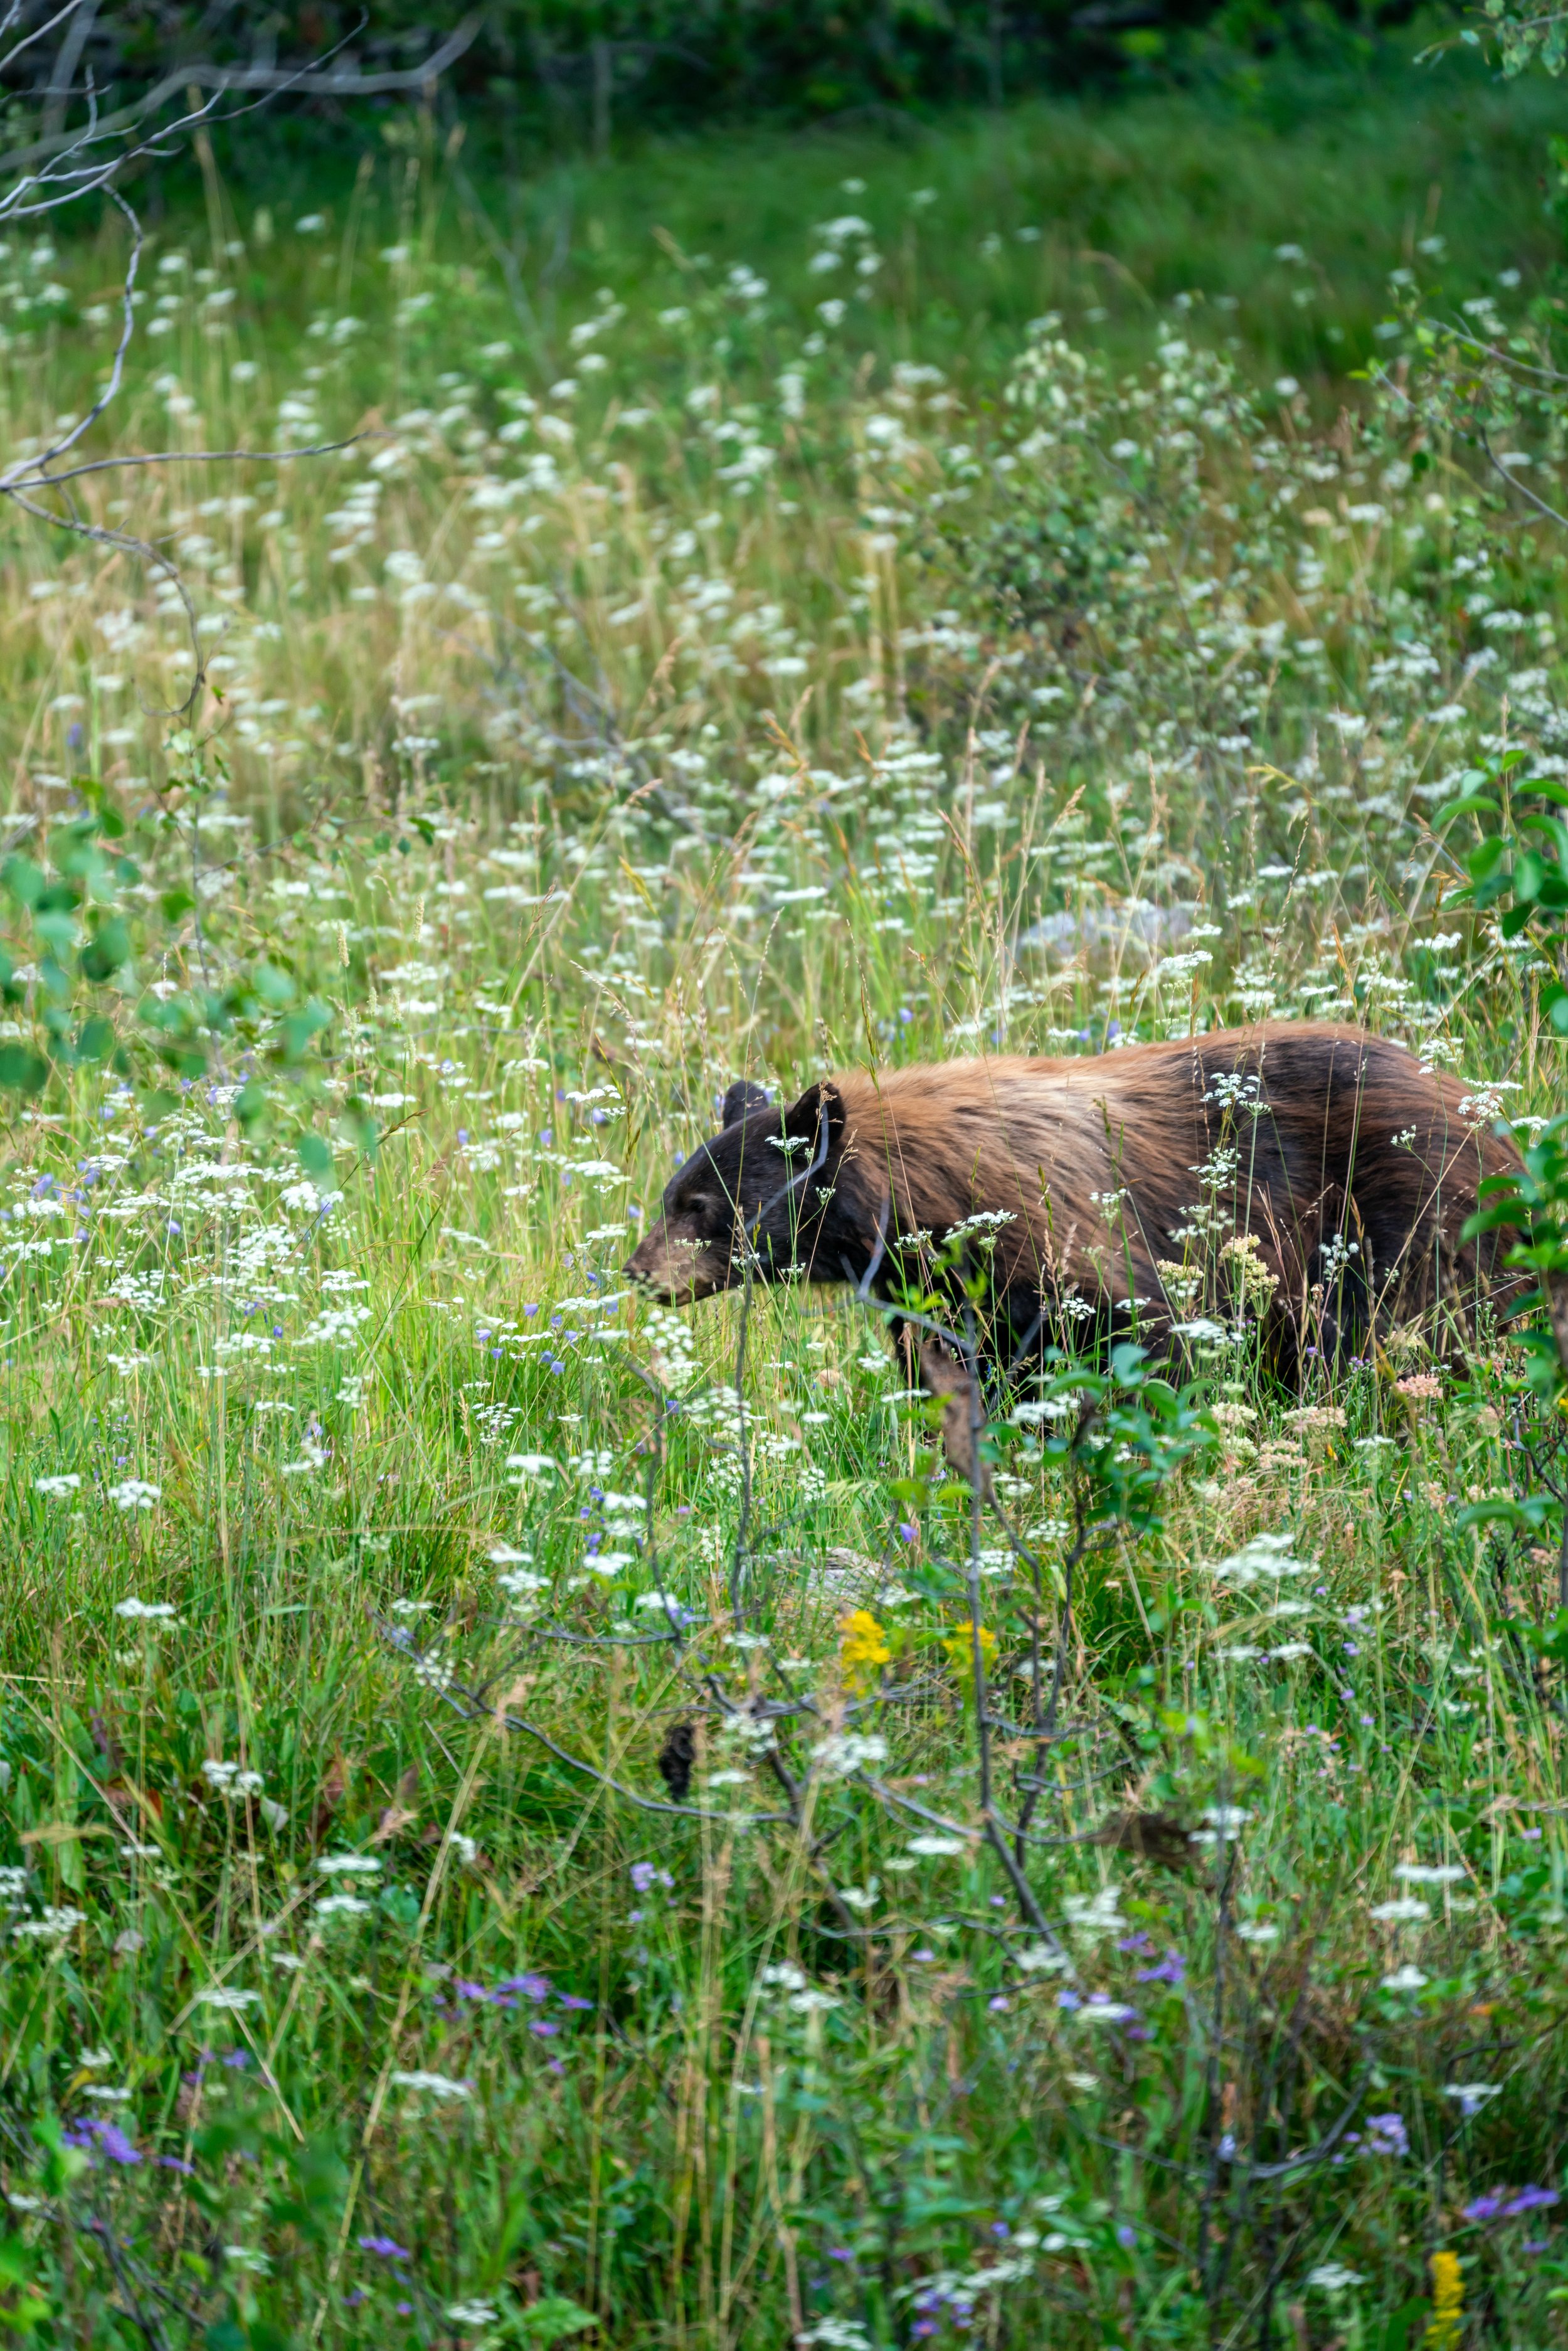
(286,1898)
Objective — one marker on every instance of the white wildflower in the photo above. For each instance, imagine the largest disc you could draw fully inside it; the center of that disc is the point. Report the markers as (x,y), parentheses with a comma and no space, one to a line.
(133,1494)
(1471,2096)
(433,2086)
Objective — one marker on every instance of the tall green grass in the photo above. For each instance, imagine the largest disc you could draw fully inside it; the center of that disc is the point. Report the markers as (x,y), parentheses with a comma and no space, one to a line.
(787,692)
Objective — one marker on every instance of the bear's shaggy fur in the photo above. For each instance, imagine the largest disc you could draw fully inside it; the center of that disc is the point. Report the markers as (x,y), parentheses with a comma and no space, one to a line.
(1315,1175)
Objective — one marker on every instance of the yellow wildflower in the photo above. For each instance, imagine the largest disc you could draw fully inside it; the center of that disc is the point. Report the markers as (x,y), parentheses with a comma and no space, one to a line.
(863,1648)
(960,1647)
(1447,2323)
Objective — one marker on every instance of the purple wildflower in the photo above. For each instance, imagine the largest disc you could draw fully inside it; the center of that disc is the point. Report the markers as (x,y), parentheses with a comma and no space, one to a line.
(387,2248)
(531,1987)
(1529,2200)
(1171,1970)
(107,2137)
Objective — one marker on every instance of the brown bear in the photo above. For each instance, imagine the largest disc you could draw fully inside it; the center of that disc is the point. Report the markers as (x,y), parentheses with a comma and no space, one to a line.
(1308,1177)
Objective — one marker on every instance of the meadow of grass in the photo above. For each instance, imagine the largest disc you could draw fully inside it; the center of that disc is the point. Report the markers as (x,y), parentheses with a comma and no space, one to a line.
(798,604)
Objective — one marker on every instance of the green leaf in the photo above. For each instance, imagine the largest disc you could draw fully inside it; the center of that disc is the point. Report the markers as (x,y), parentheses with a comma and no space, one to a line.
(20,2306)
(59,933)
(360,1127)
(107,950)
(298,1031)
(22,879)
(61,2164)
(314,1155)
(1473,804)
(21,1069)
(1501,1509)
(94,1040)
(174,904)
(1551,1639)
(1405,2327)
(552,2319)
(251,1106)
(274,987)
(1528,873)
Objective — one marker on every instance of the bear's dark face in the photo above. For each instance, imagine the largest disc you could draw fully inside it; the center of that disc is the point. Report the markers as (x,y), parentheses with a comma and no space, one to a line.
(752,1191)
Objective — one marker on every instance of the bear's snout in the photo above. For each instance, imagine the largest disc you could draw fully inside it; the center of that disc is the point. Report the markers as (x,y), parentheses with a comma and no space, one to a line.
(672,1268)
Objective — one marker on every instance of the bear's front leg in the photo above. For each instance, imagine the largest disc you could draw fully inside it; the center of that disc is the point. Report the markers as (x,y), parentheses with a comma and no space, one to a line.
(931,1364)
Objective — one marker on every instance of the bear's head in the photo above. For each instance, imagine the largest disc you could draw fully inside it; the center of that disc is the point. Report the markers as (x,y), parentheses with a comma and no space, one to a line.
(755,1192)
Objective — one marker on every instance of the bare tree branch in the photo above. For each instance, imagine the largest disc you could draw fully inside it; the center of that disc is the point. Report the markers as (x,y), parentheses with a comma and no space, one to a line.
(262,81)
(27,39)
(77,33)
(1525,492)
(86,162)
(192,458)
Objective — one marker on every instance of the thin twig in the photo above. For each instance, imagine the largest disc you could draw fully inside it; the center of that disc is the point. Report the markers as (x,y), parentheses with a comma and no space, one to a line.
(1525,492)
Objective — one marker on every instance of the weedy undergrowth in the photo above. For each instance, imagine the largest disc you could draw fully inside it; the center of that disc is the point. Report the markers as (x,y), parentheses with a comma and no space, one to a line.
(528,1814)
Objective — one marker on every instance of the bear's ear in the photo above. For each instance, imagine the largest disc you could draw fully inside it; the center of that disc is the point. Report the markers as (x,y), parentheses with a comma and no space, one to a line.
(742,1100)
(803,1117)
